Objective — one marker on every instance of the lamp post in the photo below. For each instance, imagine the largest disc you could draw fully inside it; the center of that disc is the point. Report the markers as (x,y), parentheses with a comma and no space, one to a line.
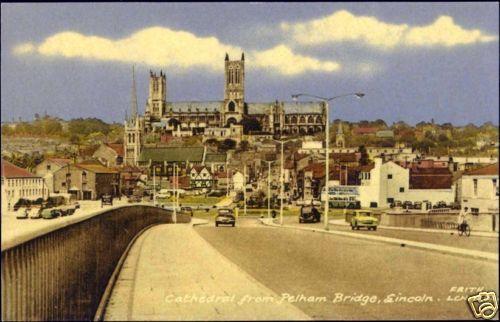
(282,177)
(327,139)
(268,187)
(245,189)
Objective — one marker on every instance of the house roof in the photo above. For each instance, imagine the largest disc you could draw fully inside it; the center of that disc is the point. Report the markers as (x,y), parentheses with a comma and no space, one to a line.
(215,158)
(491,169)
(172,154)
(96,168)
(345,157)
(59,161)
(9,170)
(430,178)
(117,147)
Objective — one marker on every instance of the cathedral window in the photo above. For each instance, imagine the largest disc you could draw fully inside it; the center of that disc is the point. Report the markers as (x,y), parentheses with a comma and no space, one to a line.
(294,120)
(231,75)
(310,119)
(231,106)
(237,75)
(302,119)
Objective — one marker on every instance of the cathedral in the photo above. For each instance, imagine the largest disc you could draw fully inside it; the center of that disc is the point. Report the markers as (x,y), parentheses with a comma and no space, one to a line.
(189,118)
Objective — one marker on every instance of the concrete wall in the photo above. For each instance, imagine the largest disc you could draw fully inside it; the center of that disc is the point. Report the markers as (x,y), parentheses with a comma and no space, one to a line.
(481,222)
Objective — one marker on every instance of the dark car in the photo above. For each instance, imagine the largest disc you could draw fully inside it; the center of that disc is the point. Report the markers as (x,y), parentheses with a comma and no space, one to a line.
(309,214)
(407,205)
(417,205)
(187,210)
(225,217)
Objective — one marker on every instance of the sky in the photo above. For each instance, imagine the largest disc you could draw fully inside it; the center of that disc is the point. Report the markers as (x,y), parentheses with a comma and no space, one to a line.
(414,61)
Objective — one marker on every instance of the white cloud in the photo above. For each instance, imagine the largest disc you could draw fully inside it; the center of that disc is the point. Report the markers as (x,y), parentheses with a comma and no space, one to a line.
(24,48)
(283,60)
(164,47)
(344,26)
(444,32)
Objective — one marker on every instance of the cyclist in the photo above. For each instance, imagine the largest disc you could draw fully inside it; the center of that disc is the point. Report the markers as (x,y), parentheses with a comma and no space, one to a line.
(461,221)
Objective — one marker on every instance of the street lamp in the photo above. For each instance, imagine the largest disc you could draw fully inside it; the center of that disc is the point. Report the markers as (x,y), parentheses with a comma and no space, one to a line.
(282,178)
(326,100)
(269,187)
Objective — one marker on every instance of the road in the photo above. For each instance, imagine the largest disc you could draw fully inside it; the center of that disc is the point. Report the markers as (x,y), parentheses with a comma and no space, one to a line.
(349,273)
(485,244)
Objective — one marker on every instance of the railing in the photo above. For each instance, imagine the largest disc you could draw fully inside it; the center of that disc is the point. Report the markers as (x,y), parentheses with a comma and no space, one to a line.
(62,274)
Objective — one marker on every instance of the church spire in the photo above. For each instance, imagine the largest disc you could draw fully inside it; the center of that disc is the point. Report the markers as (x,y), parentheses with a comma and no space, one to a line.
(134,95)
(227,57)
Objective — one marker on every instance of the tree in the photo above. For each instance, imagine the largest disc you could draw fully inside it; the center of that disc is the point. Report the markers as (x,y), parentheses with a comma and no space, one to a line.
(244,145)
(364,159)
(250,124)
(227,144)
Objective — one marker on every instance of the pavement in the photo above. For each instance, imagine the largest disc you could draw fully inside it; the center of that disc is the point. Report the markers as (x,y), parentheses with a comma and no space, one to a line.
(171,273)
(342,222)
(472,253)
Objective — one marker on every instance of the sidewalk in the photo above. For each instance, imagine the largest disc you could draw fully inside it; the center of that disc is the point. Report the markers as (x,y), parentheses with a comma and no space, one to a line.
(342,222)
(172,273)
(407,243)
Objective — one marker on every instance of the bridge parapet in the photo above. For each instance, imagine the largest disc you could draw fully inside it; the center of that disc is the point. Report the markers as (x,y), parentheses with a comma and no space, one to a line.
(60,273)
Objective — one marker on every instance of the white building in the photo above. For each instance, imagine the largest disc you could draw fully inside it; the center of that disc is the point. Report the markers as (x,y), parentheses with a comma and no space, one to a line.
(18,183)
(388,182)
(480,189)
(238,181)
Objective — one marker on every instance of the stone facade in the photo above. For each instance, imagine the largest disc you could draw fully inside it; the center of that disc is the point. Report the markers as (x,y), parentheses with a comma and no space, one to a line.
(195,118)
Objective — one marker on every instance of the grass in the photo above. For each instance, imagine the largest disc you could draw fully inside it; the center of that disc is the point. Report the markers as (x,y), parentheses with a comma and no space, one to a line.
(194,200)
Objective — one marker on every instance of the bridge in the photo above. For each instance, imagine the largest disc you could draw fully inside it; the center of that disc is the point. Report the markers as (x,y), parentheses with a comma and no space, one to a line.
(131,262)
(61,272)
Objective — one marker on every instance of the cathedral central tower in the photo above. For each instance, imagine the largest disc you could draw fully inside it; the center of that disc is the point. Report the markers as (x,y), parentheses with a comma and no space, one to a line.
(234,90)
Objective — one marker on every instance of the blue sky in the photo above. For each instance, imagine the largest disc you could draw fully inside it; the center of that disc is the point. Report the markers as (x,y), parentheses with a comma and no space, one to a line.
(414,61)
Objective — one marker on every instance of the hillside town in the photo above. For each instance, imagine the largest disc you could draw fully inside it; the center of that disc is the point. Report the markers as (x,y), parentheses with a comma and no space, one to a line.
(249,161)
(266,153)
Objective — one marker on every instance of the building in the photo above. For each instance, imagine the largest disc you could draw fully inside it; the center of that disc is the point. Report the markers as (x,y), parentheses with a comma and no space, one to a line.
(47,168)
(385,182)
(109,154)
(18,183)
(87,181)
(340,138)
(200,177)
(480,189)
(216,119)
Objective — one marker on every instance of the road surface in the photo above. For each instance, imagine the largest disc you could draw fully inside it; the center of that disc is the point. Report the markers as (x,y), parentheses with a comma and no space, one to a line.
(359,279)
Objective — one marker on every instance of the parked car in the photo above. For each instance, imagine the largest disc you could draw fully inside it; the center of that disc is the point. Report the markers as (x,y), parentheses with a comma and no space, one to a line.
(309,214)
(134,198)
(407,205)
(225,217)
(187,210)
(439,204)
(396,203)
(50,213)
(67,210)
(36,213)
(363,218)
(22,213)
(417,205)
(216,193)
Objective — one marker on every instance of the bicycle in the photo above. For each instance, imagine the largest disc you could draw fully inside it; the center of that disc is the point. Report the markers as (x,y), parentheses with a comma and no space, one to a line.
(464,228)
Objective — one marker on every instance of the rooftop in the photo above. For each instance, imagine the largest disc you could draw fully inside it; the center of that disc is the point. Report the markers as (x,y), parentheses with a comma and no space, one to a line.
(9,170)
(96,168)
(491,169)
(172,154)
